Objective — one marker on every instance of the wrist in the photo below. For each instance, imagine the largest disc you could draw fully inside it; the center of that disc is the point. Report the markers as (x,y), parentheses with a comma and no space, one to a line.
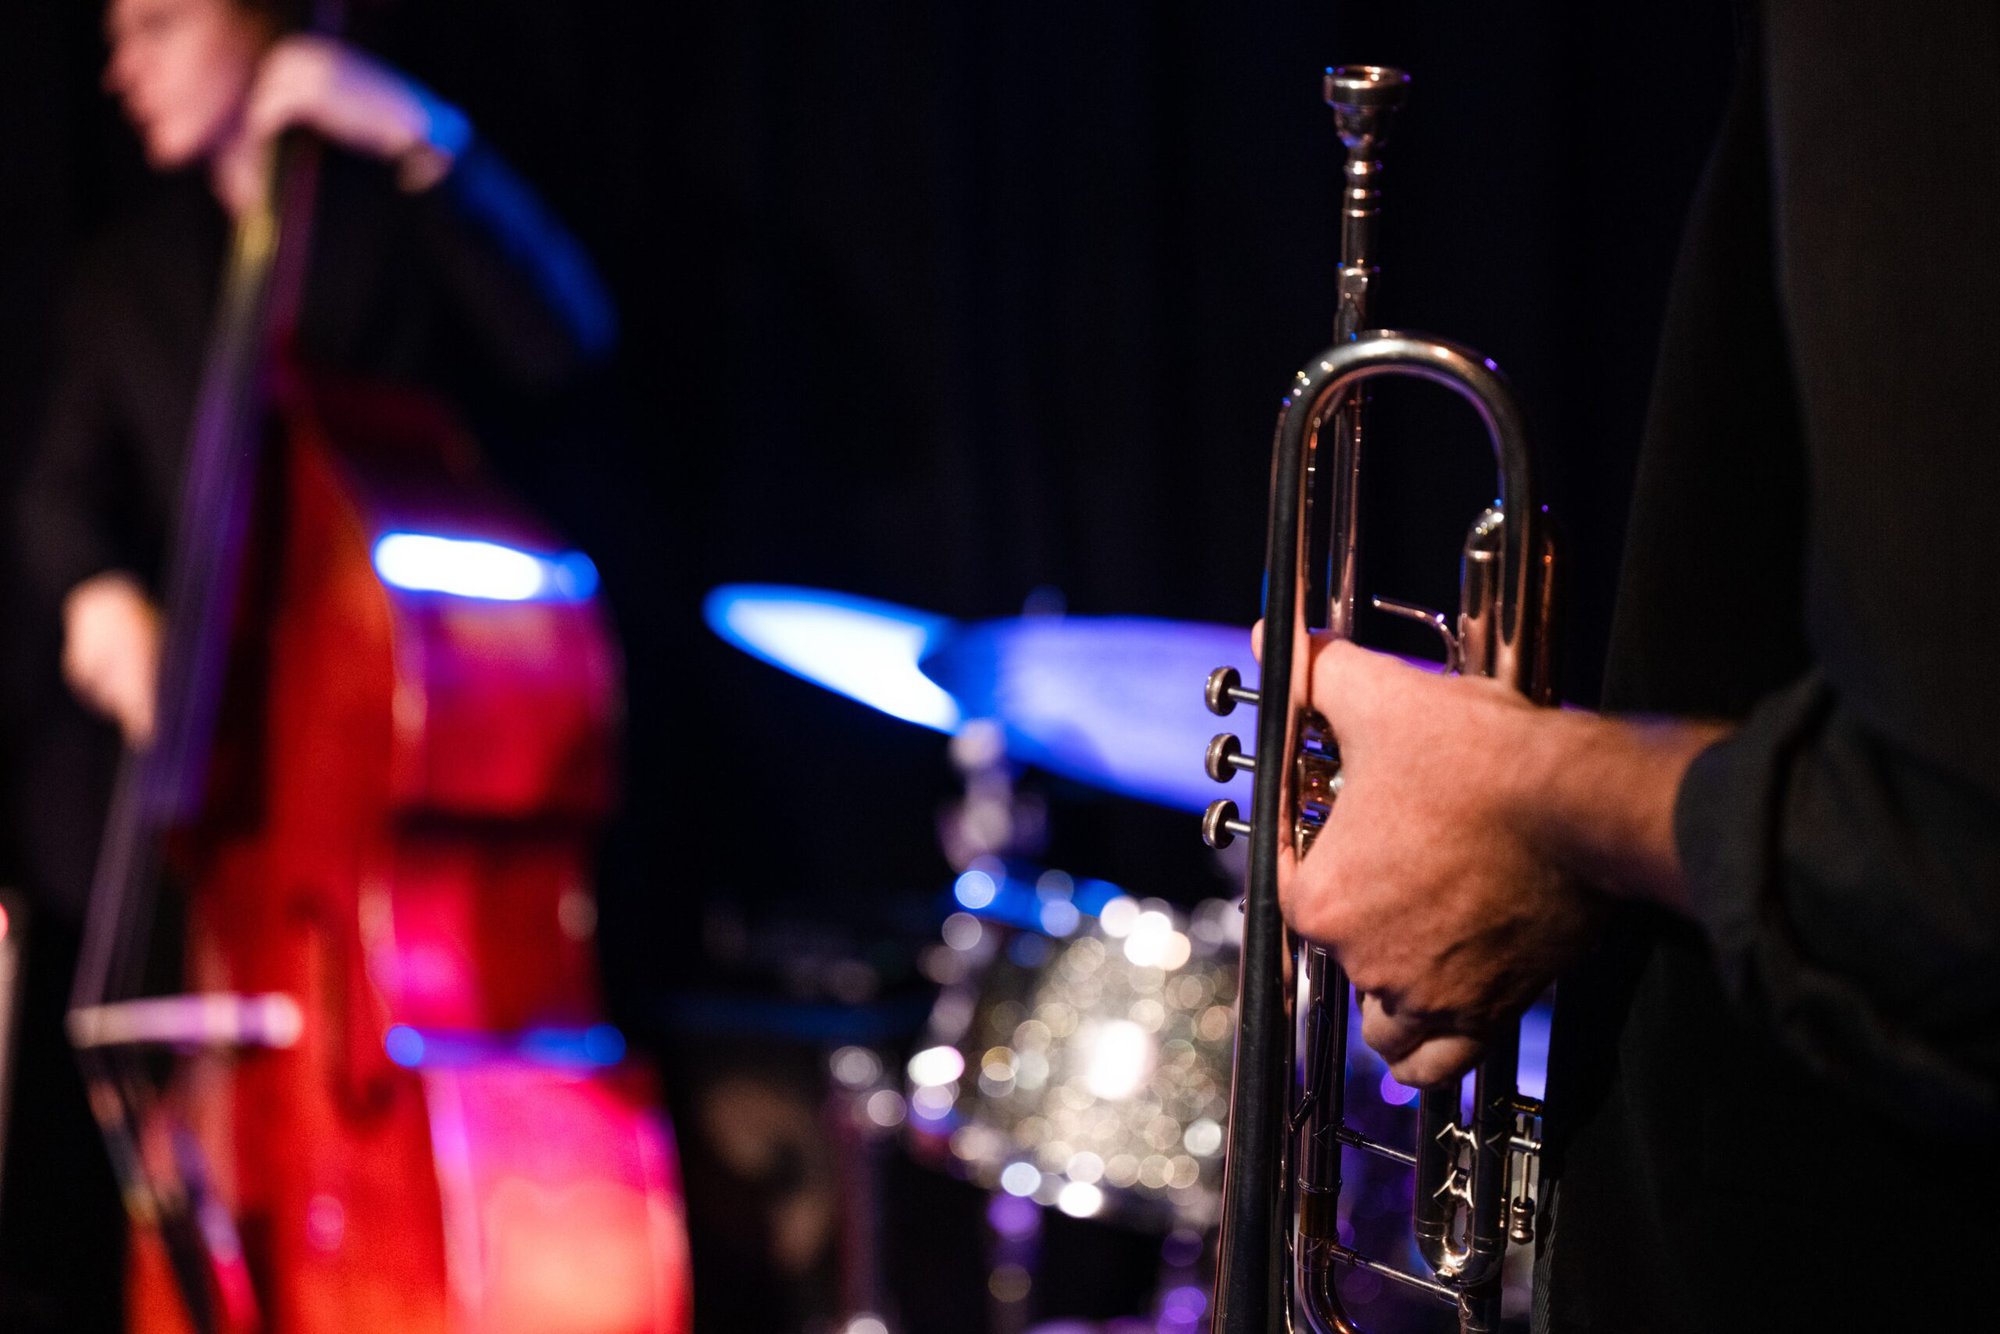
(1598,794)
(443,136)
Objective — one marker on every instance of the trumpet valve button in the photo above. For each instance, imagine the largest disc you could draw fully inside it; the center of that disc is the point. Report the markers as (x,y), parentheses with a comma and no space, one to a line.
(1220,826)
(1225,691)
(1219,692)
(1225,759)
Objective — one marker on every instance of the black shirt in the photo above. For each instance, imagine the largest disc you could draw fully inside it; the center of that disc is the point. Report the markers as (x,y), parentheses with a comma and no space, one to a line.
(1775,1119)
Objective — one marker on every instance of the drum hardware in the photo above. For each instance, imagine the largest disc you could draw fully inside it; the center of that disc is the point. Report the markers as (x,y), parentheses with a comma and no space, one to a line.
(994,818)
(864,1111)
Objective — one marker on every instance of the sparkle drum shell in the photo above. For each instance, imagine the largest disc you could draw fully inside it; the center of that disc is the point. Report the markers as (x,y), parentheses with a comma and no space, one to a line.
(1086,1069)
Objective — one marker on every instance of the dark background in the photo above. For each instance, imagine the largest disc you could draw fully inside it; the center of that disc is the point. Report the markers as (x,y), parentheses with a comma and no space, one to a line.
(953,305)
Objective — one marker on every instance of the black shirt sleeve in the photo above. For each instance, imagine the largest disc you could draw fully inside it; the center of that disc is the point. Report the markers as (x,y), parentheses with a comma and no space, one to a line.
(1843,847)
(519,281)
(73,509)
(1852,891)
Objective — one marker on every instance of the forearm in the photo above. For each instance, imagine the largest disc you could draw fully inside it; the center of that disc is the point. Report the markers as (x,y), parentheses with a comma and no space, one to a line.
(522,285)
(1846,888)
(73,514)
(1597,794)
(521,282)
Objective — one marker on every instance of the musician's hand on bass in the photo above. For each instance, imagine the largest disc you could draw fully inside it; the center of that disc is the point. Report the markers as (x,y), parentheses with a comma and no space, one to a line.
(358,102)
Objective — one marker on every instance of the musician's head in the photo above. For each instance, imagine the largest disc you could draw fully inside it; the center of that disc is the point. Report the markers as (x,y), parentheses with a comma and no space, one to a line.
(181,69)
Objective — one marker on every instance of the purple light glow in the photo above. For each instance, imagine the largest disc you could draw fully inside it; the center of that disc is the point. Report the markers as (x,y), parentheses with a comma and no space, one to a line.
(1396,1094)
(595,1047)
(1184,1305)
(1013,1217)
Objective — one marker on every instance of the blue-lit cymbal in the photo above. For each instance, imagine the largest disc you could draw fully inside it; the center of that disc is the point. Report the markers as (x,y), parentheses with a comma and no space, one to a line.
(1111,701)
(1115,702)
(859,647)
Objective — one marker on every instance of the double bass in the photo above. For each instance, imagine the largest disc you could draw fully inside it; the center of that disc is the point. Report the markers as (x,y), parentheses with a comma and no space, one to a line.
(383,1096)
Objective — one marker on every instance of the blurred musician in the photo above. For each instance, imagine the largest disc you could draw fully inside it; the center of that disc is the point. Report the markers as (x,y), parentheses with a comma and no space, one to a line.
(1769,876)
(432,264)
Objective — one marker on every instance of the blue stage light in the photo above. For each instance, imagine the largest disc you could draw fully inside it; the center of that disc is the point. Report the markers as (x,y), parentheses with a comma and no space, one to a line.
(473,568)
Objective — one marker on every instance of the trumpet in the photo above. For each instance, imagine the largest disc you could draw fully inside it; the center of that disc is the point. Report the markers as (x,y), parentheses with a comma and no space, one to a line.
(1280,1253)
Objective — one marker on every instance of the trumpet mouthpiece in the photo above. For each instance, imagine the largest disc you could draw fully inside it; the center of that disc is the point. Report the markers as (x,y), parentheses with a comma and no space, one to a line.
(1362,98)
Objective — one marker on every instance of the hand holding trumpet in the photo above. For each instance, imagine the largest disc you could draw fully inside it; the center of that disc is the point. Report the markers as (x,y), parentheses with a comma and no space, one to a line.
(1474,843)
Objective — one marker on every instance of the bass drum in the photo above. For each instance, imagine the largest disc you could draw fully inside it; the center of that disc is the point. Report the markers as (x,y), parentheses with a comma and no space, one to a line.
(1079,1055)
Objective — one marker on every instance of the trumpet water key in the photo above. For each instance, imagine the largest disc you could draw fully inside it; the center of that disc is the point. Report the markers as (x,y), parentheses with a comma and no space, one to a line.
(1280,1252)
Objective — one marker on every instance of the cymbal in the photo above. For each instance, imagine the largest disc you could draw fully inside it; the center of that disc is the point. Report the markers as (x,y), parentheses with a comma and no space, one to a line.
(1114,702)
(859,647)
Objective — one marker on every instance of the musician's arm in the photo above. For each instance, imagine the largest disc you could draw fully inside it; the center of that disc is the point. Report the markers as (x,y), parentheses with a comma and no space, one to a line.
(523,284)
(525,291)
(1473,846)
(1851,889)
(62,539)
(1600,793)
(72,509)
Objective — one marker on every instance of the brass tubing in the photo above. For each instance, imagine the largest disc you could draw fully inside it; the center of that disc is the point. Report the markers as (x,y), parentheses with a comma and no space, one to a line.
(1285,1114)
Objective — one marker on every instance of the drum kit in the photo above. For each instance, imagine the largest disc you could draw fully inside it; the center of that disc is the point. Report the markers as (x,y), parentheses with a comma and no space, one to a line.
(1077,1057)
